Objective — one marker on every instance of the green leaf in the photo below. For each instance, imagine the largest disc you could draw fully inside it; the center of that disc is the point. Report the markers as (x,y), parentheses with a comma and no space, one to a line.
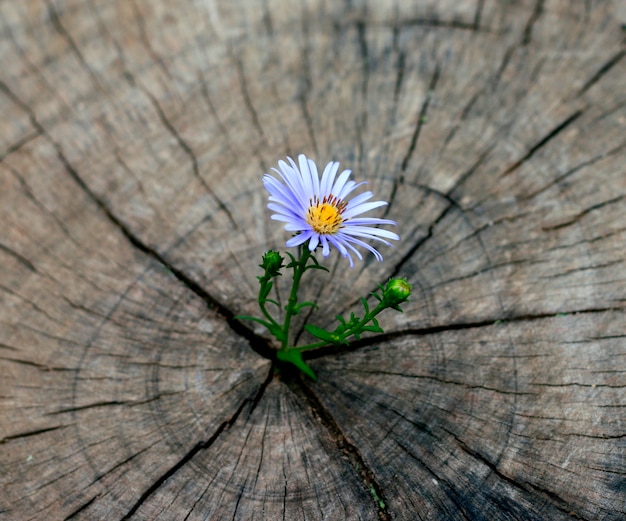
(266,287)
(373,329)
(275,329)
(293,262)
(322,334)
(297,308)
(364,302)
(376,296)
(295,357)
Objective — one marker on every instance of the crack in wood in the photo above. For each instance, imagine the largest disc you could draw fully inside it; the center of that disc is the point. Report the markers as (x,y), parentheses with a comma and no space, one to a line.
(554,499)
(31,433)
(20,143)
(586,211)
(573,170)
(528,30)
(478,14)
(258,344)
(306,85)
(349,451)
(192,157)
(19,257)
(202,445)
(421,118)
(443,328)
(55,20)
(612,62)
(247,99)
(439,380)
(542,142)
(365,70)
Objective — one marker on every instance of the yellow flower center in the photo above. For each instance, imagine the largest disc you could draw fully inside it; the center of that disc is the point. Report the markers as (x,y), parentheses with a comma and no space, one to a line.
(324,215)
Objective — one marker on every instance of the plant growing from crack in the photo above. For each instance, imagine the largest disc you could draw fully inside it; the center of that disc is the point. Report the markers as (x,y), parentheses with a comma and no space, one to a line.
(319,213)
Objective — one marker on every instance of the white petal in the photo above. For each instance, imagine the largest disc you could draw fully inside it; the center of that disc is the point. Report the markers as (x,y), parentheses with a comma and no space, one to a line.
(363,231)
(325,248)
(315,177)
(350,187)
(371,220)
(315,240)
(340,182)
(362,208)
(298,239)
(328,177)
(305,174)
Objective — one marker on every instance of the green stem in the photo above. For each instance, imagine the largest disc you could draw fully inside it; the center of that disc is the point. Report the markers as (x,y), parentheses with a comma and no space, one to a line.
(346,334)
(266,312)
(298,271)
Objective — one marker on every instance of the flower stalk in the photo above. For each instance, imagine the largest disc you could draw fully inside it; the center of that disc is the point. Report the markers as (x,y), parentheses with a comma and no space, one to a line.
(321,215)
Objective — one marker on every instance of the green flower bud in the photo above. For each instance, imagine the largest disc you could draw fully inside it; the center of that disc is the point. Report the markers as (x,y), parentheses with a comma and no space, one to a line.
(396,291)
(272,264)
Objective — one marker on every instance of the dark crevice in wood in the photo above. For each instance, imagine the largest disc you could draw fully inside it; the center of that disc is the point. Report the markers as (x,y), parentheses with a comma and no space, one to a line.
(400,68)
(99,477)
(573,170)
(252,402)
(579,216)
(602,71)
(247,100)
(421,118)
(19,144)
(267,18)
(143,35)
(469,172)
(258,344)
(553,499)
(365,67)
(409,451)
(506,58)
(557,502)
(443,328)
(192,157)
(30,433)
(528,30)
(20,258)
(441,381)
(409,254)
(55,20)
(349,451)
(582,268)
(464,113)
(84,506)
(206,96)
(8,347)
(41,367)
(438,23)
(543,141)
(306,85)
(130,403)
(478,14)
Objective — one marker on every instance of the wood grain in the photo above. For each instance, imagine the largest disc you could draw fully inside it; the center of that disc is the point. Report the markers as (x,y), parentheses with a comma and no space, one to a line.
(132,219)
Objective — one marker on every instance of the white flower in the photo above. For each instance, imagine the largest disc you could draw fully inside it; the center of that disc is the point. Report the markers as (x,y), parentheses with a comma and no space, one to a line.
(318,211)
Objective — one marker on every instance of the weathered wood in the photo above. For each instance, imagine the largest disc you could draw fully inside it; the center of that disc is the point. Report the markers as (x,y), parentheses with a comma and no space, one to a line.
(133,139)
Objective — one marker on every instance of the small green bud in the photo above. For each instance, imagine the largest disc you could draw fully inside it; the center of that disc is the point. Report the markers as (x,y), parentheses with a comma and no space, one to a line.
(396,292)
(272,264)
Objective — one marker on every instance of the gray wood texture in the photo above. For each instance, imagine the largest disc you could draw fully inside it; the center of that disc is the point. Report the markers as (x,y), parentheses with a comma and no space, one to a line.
(133,138)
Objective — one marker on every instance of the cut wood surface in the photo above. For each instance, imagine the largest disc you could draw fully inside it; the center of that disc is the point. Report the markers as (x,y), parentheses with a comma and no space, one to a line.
(133,138)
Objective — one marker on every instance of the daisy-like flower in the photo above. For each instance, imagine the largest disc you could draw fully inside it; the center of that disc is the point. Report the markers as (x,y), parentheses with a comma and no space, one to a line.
(318,211)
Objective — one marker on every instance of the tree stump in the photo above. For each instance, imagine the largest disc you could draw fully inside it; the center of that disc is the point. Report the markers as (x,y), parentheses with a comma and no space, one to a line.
(133,140)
